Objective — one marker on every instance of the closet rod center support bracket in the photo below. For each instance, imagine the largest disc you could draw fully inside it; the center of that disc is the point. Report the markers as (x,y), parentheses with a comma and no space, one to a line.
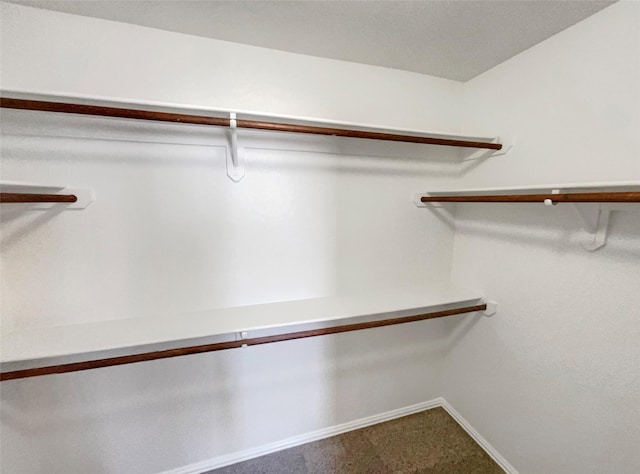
(242,336)
(550,202)
(235,160)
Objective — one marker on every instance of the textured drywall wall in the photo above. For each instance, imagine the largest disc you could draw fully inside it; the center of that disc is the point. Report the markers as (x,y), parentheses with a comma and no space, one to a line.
(169,233)
(552,379)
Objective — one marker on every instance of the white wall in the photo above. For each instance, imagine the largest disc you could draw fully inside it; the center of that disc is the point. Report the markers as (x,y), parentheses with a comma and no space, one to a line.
(170,233)
(552,381)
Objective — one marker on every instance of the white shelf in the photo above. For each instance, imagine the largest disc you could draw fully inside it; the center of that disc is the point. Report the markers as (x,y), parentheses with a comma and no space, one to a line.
(78,341)
(538,188)
(224,112)
(27,187)
(253,120)
(605,186)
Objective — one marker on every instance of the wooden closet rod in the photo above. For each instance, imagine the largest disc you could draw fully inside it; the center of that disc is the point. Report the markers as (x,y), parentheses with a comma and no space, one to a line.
(225,122)
(218,346)
(569,197)
(26,197)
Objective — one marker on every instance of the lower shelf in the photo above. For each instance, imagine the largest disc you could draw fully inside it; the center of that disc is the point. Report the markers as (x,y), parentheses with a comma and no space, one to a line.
(135,340)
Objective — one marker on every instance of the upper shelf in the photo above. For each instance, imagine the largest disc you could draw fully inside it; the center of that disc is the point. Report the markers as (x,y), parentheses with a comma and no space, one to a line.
(600,192)
(227,118)
(71,341)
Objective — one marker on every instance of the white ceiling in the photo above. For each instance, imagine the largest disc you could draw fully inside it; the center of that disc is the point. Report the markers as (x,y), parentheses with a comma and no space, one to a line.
(454,39)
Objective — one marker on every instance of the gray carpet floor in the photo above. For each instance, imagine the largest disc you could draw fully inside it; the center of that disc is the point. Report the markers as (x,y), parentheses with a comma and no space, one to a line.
(429,442)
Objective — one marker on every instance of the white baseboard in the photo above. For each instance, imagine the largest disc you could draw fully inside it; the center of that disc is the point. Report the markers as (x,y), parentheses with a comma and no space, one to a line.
(484,444)
(225,460)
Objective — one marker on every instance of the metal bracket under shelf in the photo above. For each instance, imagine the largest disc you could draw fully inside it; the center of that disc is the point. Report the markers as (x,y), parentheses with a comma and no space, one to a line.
(595,219)
(235,156)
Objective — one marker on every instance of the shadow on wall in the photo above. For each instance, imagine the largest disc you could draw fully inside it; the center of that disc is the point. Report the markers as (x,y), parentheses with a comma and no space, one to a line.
(382,369)
(107,420)
(18,221)
(429,162)
(459,327)
(438,164)
(558,227)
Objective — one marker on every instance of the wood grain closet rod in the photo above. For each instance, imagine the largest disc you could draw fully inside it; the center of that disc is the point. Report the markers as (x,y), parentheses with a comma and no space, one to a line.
(218,346)
(570,197)
(30,198)
(82,109)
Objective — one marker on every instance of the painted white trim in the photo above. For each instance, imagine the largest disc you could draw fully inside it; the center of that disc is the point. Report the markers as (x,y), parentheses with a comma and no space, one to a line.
(227,459)
(245,455)
(484,444)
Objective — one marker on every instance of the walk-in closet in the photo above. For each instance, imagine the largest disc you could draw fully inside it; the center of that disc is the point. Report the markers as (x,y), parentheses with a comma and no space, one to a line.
(319,237)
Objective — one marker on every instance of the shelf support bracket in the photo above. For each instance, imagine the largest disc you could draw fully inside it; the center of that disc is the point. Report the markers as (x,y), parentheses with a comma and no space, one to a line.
(595,219)
(235,161)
